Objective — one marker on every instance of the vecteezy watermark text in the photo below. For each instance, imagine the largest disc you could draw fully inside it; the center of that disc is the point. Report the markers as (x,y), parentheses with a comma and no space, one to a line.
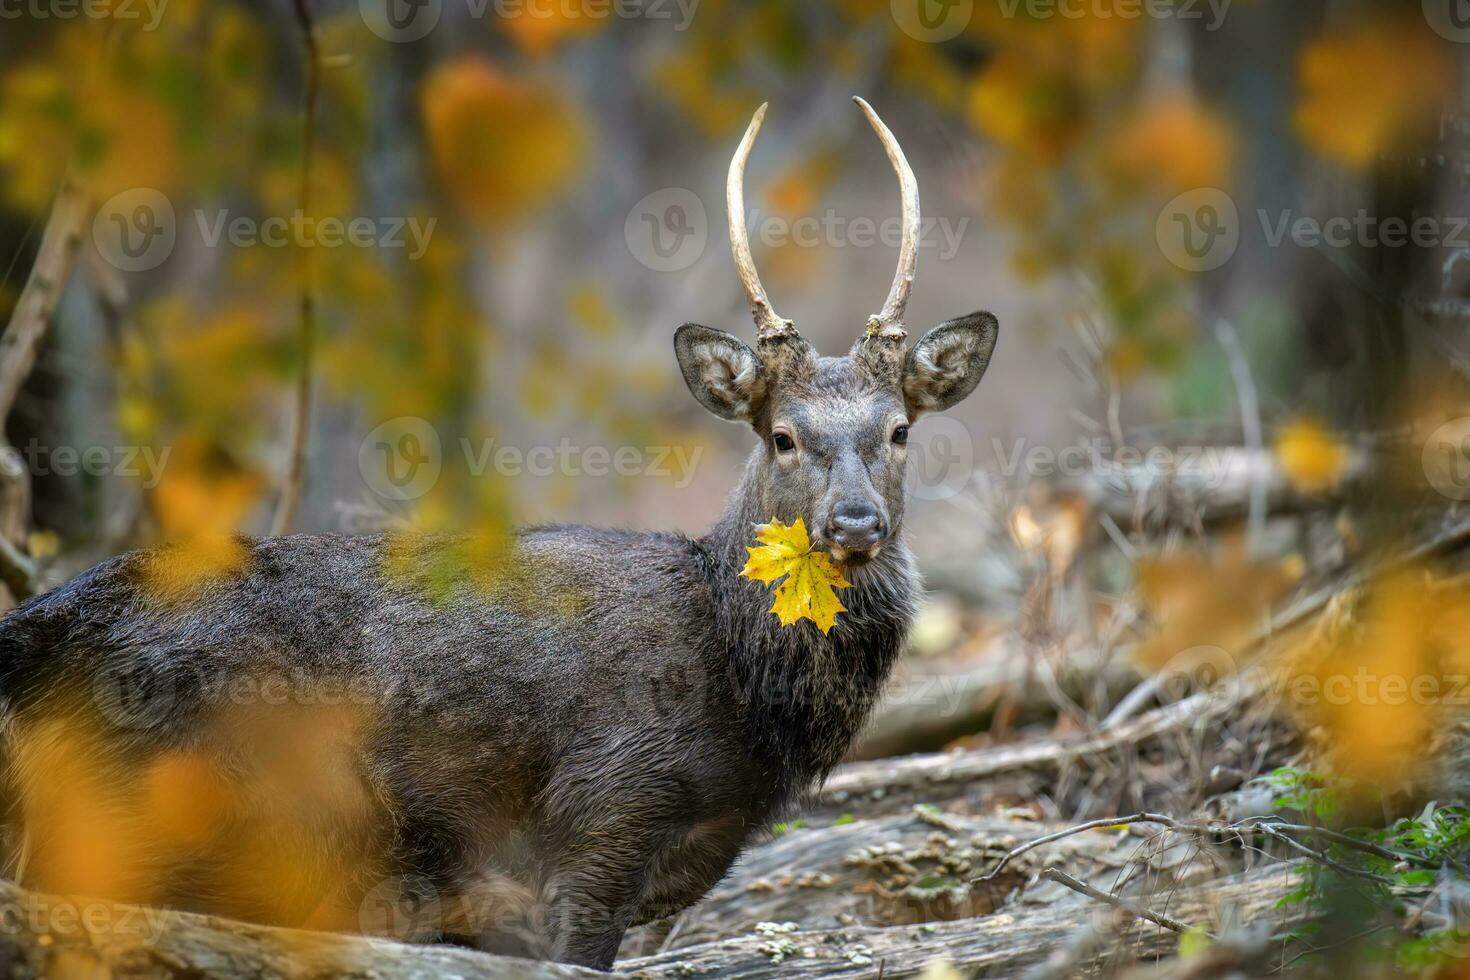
(138,229)
(1211,11)
(150,12)
(1200,230)
(403,458)
(1121,467)
(304,231)
(405,21)
(667,231)
(142,463)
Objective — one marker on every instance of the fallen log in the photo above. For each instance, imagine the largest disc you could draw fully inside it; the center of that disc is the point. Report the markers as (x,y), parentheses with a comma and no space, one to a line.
(887,785)
(1002,944)
(895,870)
(50,936)
(926,707)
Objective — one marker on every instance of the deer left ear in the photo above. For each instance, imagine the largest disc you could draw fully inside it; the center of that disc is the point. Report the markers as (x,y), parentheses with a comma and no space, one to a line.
(722,373)
(948,362)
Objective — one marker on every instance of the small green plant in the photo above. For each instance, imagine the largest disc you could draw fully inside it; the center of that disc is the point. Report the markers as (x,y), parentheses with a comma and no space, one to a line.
(1365,881)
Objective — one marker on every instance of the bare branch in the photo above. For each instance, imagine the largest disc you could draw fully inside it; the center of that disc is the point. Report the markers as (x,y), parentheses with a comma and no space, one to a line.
(1071,831)
(1138,911)
(291,491)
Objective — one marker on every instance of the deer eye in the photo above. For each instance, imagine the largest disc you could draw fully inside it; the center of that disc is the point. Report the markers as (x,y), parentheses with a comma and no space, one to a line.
(783,442)
(901,436)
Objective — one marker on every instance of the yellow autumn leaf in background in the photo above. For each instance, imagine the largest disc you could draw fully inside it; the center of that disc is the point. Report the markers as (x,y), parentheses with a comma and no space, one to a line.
(1174,139)
(1024,108)
(811,578)
(1220,601)
(199,503)
(1368,89)
(540,26)
(1313,459)
(1380,676)
(502,145)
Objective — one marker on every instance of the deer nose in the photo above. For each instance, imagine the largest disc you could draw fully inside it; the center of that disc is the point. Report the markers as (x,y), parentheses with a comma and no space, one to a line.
(856,528)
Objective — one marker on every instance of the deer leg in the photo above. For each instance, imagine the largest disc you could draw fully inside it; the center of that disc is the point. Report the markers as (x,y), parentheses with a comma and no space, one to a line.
(594,899)
(685,872)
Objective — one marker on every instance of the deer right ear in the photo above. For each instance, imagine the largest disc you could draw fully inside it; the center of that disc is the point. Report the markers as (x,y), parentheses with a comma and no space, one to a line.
(722,373)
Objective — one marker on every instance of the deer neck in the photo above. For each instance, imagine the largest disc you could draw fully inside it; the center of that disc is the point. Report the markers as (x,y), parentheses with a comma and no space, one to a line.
(806,694)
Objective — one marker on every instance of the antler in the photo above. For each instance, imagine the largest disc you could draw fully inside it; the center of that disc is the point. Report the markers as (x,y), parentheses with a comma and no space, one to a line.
(888,322)
(769,324)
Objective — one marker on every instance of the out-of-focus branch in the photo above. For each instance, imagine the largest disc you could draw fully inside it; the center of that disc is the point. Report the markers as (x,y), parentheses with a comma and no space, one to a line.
(1250,423)
(17,571)
(295,481)
(21,342)
(20,345)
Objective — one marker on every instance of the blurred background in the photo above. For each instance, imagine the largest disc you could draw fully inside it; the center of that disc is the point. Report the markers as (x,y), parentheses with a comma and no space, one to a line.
(509,206)
(310,265)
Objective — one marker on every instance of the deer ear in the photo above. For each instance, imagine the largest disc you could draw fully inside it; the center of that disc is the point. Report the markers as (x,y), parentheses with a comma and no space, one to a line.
(722,373)
(947,364)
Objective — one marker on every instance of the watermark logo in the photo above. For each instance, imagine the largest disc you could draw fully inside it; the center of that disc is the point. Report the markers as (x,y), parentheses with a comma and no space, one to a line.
(667,230)
(1446,459)
(932,21)
(401,459)
(1199,670)
(150,12)
(134,696)
(941,457)
(1365,230)
(1212,12)
(401,21)
(301,230)
(1199,230)
(136,230)
(142,463)
(401,908)
(1450,19)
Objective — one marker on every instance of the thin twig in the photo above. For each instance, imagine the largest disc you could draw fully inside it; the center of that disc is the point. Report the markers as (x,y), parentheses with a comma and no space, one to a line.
(1367,847)
(1270,826)
(291,490)
(1319,856)
(1250,424)
(1070,831)
(1138,911)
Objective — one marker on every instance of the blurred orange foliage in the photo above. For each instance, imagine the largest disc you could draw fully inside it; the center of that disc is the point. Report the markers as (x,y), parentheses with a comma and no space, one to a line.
(1173,139)
(539,26)
(1379,675)
(1371,87)
(503,145)
(1200,600)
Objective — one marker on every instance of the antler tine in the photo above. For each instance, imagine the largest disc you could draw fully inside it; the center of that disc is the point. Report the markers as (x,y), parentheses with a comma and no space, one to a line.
(769,324)
(888,322)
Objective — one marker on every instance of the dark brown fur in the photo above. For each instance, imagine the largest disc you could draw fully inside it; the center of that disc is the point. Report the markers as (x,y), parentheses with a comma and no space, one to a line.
(554,768)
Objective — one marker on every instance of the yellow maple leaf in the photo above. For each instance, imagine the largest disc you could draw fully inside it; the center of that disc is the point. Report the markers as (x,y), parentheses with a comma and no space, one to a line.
(811,578)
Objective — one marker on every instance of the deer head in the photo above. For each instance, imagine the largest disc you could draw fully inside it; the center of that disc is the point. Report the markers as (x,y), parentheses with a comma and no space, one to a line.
(834,430)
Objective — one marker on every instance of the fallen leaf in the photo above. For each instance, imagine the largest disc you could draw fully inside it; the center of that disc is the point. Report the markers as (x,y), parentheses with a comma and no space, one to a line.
(811,578)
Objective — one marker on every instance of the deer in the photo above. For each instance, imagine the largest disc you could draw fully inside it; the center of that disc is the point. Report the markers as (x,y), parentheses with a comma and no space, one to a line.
(526,779)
